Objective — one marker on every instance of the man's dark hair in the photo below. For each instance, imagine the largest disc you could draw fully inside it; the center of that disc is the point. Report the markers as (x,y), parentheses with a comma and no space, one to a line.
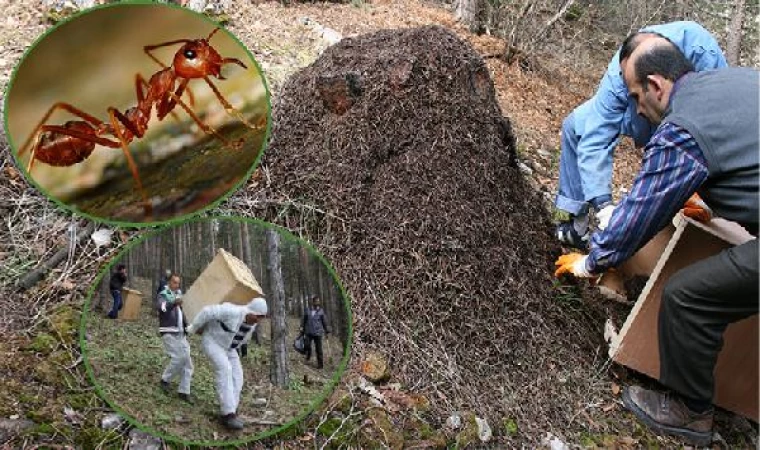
(664,60)
(120,267)
(633,40)
(174,275)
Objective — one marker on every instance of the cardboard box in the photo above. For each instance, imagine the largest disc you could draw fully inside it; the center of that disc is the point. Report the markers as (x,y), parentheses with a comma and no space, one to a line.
(225,279)
(636,346)
(131,303)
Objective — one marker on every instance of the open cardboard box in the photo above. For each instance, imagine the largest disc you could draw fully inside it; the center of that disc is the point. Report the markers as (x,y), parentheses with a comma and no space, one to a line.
(636,346)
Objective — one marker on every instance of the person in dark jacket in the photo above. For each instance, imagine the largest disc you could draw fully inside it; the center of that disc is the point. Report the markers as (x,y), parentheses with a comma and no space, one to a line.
(172,327)
(118,280)
(163,281)
(314,326)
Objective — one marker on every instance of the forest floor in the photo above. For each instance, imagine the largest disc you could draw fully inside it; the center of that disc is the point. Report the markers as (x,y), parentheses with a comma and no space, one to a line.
(127,358)
(41,366)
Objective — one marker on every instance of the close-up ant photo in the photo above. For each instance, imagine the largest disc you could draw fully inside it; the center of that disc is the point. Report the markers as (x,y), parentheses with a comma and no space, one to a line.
(137,113)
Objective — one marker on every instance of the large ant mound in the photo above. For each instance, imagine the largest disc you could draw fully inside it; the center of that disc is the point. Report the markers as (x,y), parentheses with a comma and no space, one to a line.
(391,154)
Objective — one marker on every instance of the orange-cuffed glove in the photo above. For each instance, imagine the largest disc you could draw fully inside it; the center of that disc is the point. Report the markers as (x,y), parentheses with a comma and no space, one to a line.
(572,264)
(695,208)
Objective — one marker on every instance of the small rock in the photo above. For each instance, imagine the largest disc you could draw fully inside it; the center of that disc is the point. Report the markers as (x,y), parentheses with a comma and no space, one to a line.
(554,443)
(102,237)
(72,416)
(375,368)
(259,402)
(544,153)
(111,421)
(454,422)
(139,440)
(12,427)
(525,169)
(484,431)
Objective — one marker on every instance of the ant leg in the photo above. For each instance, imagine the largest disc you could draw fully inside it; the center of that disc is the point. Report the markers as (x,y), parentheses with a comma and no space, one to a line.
(207,129)
(131,162)
(228,107)
(59,105)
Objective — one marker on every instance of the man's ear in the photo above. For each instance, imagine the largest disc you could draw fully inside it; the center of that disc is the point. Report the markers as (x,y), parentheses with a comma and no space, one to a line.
(655,83)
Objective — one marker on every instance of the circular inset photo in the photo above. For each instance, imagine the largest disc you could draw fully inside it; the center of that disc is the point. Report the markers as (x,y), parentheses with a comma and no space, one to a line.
(216,331)
(137,113)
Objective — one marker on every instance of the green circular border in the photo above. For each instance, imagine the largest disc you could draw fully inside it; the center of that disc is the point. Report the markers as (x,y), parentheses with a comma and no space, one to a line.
(72,209)
(285,234)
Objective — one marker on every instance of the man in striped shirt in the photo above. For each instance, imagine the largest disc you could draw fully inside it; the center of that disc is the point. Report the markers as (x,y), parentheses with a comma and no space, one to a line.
(225,327)
(707,142)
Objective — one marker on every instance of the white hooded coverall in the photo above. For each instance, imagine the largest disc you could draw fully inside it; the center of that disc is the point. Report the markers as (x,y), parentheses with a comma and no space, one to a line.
(217,343)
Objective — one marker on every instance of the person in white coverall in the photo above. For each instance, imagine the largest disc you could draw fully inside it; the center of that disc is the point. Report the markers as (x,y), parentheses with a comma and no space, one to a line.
(225,327)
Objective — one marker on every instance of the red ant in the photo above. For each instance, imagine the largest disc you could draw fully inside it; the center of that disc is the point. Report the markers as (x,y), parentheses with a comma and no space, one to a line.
(74,141)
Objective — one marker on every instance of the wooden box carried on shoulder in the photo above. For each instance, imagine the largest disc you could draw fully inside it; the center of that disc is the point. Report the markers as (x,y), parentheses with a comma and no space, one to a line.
(225,279)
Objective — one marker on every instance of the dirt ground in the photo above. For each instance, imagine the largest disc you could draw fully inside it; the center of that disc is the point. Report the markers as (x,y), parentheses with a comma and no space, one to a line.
(38,328)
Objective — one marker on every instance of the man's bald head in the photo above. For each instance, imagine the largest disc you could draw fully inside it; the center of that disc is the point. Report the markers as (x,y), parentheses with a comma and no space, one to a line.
(634,40)
(657,56)
(650,71)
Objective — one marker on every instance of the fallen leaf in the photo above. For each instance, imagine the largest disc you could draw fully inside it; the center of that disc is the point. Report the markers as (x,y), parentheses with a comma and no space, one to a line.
(66,285)
(608,408)
(615,389)
(12,172)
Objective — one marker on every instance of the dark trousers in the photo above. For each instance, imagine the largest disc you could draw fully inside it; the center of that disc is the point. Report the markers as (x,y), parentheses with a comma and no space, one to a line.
(317,345)
(116,304)
(698,304)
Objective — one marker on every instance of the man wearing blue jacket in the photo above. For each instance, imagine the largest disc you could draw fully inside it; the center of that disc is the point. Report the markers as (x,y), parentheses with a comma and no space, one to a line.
(592,131)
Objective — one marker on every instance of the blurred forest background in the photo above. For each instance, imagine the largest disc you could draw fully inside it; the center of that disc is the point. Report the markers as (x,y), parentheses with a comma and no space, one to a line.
(578,32)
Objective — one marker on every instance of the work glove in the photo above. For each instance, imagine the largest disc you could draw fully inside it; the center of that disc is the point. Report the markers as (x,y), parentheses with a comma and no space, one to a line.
(603,216)
(190,329)
(695,208)
(572,264)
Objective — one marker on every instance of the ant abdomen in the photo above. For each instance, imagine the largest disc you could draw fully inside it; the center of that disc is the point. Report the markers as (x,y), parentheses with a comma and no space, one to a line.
(63,150)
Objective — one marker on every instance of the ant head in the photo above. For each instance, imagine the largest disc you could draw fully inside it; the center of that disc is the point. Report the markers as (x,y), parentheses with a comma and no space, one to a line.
(197,59)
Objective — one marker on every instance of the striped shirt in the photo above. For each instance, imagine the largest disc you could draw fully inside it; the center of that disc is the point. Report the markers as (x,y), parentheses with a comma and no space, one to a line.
(240,335)
(673,169)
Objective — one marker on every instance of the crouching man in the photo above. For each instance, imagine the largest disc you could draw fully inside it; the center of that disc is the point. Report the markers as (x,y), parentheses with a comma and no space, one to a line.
(172,323)
(226,327)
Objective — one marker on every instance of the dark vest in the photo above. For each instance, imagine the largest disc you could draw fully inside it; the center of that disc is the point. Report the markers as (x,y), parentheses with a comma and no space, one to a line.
(720,109)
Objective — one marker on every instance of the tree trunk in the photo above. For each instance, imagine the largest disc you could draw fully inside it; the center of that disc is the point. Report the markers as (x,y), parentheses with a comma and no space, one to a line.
(735,34)
(279,330)
(472,13)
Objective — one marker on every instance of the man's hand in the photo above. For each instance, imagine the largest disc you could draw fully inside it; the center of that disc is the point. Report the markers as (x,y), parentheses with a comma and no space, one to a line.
(572,264)
(695,208)
(190,329)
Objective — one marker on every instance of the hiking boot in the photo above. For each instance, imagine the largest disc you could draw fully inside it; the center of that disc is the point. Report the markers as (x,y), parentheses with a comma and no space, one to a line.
(666,413)
(231,422)
(186,398)
(165,387)
(567,235)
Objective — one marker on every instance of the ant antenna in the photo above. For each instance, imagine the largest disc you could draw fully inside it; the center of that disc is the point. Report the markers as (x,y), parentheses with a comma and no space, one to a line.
(212,33)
